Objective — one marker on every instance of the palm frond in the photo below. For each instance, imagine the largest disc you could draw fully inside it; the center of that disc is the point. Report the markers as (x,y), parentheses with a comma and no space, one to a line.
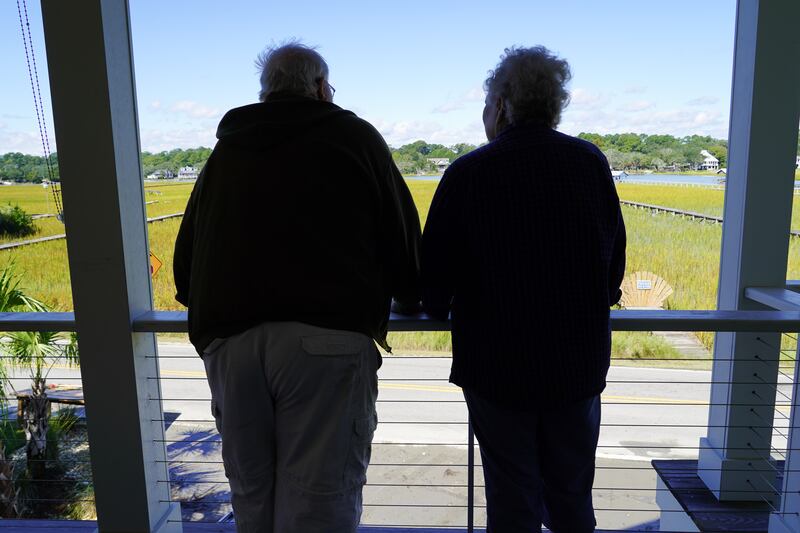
(33,349)
(71,354)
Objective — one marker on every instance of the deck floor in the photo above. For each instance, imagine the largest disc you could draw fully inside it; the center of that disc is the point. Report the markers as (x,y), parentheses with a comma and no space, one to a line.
(50,526)
(700,504)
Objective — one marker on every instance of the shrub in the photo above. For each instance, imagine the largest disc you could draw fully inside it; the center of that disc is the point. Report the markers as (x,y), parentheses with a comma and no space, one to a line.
(12,438)
(60,426)
(14,221)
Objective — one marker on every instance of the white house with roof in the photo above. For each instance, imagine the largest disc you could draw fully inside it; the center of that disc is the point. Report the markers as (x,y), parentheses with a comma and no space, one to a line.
(710,162)
(161,175)
(187,173)
(619,175)
(441,163)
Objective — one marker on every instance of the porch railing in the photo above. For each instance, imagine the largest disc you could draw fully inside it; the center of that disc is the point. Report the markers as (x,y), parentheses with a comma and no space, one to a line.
(625,482)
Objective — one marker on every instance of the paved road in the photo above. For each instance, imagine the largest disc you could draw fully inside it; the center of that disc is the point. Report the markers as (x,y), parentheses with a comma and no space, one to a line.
(647,413)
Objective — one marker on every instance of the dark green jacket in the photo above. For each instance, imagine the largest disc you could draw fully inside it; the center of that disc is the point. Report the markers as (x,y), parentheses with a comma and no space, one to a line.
(299,215)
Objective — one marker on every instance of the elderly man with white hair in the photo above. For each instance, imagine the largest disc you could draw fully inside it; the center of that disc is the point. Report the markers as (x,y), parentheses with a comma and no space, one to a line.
(298,234)
(525,246)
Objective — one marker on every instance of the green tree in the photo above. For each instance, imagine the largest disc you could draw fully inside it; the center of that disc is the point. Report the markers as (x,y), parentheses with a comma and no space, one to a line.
(615,158)
(658,163)
(594,138)
(720,152)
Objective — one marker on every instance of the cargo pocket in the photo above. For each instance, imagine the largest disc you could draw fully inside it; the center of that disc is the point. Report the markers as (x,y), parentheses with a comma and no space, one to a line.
(360,451)
(331,345)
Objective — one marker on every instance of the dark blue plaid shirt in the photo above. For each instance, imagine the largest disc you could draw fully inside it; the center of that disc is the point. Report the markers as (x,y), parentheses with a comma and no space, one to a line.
(525,245)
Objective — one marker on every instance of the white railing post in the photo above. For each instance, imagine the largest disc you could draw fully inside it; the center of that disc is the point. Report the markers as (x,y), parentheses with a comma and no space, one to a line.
(90,63)
(787,519)
(735,459)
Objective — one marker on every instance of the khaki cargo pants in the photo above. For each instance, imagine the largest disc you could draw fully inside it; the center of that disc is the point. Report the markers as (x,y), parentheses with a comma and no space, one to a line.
(295,406)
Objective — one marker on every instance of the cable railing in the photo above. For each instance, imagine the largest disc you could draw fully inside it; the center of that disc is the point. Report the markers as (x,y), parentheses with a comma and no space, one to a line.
(426,467)
(426,470)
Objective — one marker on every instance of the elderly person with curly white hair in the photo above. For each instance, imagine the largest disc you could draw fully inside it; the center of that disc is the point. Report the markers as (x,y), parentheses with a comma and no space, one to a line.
(525,247)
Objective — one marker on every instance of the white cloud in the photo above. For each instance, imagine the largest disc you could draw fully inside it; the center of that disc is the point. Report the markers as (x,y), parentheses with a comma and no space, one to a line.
(686,119)
(585,99)
(402,132)
(159,140)
(636,106)
(634,89)
(405,131)
(678,122)
(476,94)
(153,140)
(27,142)
(155,104)
(703,100)
(193,109)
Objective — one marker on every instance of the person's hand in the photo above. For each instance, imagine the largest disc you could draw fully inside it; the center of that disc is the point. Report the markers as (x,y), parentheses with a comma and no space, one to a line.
(405,308)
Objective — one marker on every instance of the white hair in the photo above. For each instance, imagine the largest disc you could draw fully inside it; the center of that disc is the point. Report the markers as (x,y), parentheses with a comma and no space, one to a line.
(291,67)
(532,83)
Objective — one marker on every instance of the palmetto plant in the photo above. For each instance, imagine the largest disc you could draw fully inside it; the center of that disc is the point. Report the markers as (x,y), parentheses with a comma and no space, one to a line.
(37,352)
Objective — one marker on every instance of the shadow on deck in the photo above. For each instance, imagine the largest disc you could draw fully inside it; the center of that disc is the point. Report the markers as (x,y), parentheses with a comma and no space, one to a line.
(49,526)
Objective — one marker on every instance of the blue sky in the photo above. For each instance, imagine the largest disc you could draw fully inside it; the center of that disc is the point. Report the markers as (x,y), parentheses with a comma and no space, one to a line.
(414,69)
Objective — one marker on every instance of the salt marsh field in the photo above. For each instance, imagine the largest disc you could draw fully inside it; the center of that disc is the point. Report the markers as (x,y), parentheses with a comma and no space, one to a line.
(682,251)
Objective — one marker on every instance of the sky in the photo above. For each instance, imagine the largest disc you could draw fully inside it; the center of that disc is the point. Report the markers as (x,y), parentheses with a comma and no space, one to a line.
(414,69)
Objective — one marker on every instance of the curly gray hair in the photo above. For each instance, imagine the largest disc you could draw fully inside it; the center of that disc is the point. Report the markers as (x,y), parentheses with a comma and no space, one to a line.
(531,82)
(290,67)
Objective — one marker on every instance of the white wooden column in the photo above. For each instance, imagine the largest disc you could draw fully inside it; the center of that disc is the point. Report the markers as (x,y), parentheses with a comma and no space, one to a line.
(787,519)
(94,106)
(734,457)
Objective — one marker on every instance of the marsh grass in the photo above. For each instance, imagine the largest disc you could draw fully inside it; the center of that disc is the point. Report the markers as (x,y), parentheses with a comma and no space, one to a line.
(706,200)
(684,252)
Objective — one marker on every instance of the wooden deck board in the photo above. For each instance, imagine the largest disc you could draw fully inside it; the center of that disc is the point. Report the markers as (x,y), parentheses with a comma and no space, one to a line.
(709,514)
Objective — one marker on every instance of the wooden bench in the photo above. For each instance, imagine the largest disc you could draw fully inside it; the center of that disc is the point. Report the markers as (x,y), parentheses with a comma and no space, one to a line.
(62,394)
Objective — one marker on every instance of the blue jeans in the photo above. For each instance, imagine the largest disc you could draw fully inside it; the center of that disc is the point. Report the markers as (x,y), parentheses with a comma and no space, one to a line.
(538,464)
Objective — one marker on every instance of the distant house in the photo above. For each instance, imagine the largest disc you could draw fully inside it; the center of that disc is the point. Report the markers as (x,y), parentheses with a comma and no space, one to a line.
(162,175)
(710,162)
(441,163)
(797,162)
(187,173)
(619,175)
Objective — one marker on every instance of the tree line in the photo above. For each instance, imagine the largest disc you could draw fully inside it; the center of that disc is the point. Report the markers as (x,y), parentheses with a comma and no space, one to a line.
(414,158)
(625,151)
(637,151)
(411,158)
(173,160)
(15,166)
